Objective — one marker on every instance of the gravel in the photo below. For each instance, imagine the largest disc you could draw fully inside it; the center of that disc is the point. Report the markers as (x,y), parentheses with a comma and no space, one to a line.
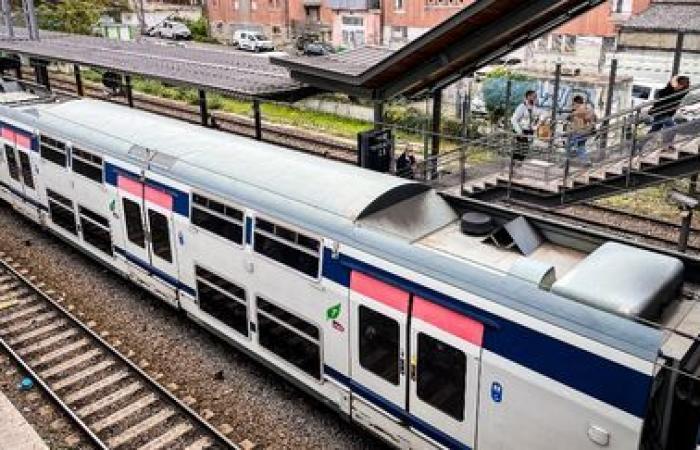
(238,393)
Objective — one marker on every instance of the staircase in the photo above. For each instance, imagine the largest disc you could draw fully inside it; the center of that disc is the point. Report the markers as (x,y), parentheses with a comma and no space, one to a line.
(625,156)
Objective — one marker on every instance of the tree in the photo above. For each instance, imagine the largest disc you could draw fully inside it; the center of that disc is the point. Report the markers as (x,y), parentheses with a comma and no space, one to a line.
(75,16)
(495,91)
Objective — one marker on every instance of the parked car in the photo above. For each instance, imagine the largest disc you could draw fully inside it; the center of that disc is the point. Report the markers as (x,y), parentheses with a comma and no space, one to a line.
(643,92)
(252,40)
(318,48)
(170,29)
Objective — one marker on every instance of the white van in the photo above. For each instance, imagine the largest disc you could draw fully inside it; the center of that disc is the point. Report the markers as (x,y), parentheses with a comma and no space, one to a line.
(643,92)
(170,29)
(254,41)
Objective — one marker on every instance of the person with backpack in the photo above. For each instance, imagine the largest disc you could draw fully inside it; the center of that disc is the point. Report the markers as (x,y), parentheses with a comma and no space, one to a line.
(524,120)
(581,126)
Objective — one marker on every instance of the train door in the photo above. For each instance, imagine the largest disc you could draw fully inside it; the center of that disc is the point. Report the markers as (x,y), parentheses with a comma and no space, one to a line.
(14,181)
(28,181)
(160,226)
(378,322)
(445,350)
(131,199)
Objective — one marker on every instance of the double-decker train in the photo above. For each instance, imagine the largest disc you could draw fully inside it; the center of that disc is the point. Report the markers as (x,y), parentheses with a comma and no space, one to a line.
(373,293)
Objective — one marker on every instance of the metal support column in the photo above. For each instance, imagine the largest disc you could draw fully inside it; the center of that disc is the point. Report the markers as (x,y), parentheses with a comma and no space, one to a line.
(129,91)
(257,118)
(435,135)
(555,105)
(30,14)
(41,72)
(612,79)
(78,80)
(378,115)
(7,14)
(466,108)
(677,55)
(687,217)
(203,112)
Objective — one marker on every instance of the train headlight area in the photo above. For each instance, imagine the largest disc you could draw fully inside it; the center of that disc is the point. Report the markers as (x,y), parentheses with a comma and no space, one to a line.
(431,321)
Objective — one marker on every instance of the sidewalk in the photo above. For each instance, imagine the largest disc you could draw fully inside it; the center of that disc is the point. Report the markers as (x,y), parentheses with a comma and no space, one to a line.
(15,432)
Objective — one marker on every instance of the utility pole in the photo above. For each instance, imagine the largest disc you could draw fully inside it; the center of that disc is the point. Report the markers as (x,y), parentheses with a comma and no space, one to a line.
(7,13)
(141,15)
(30,15)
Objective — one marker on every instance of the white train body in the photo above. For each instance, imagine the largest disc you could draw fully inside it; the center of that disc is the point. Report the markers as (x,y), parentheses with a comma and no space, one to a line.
(305,264)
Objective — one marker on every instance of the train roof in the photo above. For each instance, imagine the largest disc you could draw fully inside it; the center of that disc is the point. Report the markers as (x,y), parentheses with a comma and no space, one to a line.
(333,199)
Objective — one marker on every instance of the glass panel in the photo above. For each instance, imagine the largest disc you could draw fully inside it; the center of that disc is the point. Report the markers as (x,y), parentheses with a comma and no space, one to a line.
(226,309)
(160,235)
(87,170)
(287,255)
(12,162)
(379,344)
(63,217)
(441,376)
(134,222)
(290,319)
(219,282)
(54,156)
(224,228)
(94,216)
(97,236)
(290,346)
(26,170)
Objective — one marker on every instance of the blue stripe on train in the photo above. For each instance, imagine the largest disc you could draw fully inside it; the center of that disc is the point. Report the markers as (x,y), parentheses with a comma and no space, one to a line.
(174,282)
(181,200)
(395,410)
(579,369)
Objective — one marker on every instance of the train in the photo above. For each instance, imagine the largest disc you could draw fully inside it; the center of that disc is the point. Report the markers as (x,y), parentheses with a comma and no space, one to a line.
(428,324)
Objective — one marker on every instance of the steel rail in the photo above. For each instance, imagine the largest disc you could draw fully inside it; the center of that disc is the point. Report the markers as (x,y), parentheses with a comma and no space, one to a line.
(143,376)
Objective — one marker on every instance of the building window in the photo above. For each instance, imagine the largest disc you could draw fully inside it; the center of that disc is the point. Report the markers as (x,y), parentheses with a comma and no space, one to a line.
(290,337)
(61,211)
(399,33)
(353,21)
(295,250)
(218,218)
(222,299)
(398,5)
(453,3)
(96,230)
(86,164)
(556,43)
(53,150)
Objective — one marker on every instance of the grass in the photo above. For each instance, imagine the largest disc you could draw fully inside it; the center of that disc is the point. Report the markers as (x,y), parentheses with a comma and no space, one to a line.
(651,201)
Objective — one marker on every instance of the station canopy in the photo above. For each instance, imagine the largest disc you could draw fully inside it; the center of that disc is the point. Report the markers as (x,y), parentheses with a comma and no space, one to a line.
(472,38)
(208,67)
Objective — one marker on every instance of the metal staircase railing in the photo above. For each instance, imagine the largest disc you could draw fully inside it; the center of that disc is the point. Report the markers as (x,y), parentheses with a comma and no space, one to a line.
(623,153)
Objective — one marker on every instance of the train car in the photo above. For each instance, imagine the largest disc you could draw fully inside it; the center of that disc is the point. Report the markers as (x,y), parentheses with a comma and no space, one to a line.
(373,293)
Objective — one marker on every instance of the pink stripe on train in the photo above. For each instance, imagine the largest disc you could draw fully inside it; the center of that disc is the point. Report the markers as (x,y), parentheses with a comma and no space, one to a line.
(150,194)
(454,323)
(381,292)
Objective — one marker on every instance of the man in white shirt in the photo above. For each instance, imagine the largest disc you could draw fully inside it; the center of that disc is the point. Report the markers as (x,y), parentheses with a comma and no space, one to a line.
(523,121)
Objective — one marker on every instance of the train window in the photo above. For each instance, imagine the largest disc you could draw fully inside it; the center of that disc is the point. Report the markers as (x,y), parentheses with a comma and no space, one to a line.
(289,337)
(26,167)
(134,222)
(86,164)
(12,162)
(223,220)
(96,230)
(53,150)
(222,299)
(287,247)
(379,344)
(61,211)
(441,376)
(160,235)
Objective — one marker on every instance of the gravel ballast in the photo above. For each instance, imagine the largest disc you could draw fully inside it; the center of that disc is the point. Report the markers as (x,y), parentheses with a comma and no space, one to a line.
(235,393)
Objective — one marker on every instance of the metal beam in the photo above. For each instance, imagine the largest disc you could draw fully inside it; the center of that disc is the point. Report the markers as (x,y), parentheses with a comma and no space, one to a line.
(129,91)
(378,115)
(678,53)
(203,113)
(257,118)
(78,80)
(612,79)
(435,136)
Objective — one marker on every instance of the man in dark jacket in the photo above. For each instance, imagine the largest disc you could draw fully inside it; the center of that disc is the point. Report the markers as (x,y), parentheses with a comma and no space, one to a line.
(668,101)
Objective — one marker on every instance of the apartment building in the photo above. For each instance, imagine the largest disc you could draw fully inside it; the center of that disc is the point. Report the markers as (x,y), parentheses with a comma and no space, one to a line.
(152,12)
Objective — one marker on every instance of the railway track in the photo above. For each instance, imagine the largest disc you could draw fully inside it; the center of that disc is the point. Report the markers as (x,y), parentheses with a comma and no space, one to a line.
(326,146)
(110,399)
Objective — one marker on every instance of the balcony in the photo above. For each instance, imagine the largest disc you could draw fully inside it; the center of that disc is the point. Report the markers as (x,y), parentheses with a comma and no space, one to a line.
(353,5)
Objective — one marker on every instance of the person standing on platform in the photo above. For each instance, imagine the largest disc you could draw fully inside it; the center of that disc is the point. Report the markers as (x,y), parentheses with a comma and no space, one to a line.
(581,126)
(524,120)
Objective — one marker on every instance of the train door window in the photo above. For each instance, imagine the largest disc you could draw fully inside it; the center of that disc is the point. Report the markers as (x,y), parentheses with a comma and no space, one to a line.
(441,376)
(160,235)
(289,337)
(223,220)
(379,344)
(53,150)
(134,222)
(61,211)
(288,247)
(96,230)
(12,162)
(26,167)
(222,299)
(86,164)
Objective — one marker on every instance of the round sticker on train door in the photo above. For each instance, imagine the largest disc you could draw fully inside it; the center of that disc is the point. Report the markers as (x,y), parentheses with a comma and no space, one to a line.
(496,392)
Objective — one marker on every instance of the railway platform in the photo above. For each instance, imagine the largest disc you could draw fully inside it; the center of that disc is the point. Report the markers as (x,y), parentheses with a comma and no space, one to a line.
(15,432)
